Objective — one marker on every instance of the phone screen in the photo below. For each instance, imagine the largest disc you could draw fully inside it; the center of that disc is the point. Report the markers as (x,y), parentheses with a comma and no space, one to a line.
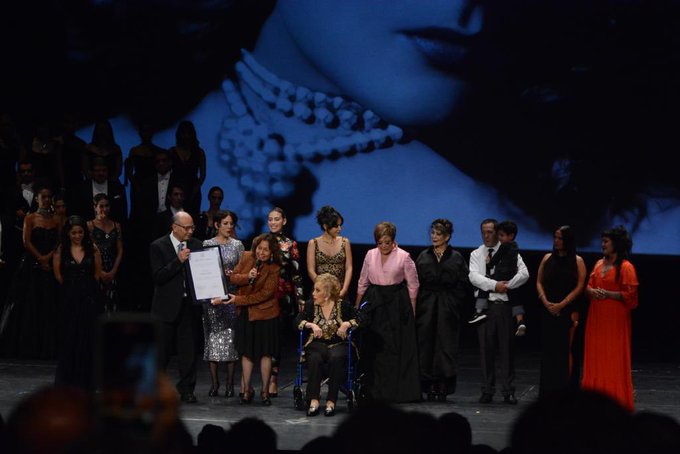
(127,368)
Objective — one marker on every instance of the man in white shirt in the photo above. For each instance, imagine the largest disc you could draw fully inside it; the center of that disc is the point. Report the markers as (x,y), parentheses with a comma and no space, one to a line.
(175,204)
(99,182)
(499,324)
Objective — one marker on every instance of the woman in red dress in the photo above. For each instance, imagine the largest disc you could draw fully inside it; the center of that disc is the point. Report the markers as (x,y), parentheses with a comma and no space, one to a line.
(613,292)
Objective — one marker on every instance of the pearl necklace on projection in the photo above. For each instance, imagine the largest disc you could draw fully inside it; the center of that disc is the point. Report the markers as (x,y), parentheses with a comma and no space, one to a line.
(264,159)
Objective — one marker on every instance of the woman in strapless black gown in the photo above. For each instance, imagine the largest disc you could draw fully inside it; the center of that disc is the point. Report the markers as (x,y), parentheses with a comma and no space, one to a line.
(77,267)
(27,325)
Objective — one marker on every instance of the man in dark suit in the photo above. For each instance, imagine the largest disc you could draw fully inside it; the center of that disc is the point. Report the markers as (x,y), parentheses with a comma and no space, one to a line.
(99,182)
(148,201)
(171,304)
(175,203)
(151,197)
(16,206)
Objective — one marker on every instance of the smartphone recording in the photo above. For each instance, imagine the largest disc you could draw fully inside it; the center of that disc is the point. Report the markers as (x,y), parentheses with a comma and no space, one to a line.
(127,367)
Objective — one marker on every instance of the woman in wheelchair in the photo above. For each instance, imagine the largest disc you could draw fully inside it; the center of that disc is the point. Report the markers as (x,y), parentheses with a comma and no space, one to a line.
(328,318)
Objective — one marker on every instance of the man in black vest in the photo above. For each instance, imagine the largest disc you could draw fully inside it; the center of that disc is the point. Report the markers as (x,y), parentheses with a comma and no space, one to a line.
(171,304)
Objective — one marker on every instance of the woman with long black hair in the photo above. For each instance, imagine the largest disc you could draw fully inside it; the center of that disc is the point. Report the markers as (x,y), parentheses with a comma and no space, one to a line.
(78,268)
(560,281)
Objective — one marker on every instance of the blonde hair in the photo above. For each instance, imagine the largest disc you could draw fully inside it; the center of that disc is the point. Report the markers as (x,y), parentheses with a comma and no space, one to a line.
(330,285)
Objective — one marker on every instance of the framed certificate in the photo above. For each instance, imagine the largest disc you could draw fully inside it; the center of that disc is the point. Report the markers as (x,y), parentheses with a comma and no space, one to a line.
(206,274)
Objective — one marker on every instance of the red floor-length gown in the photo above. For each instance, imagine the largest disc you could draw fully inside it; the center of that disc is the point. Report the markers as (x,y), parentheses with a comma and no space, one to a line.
(606,362)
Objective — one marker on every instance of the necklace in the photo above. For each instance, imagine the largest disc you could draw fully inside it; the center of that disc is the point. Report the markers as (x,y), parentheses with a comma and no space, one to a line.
(264,160)
(438,254)
(331,241)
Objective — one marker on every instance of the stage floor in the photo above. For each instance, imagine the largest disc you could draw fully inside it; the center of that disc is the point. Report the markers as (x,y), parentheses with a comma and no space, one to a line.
(657,389)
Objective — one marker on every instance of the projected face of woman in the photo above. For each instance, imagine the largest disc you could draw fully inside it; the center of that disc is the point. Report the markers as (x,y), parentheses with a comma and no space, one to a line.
(408,60)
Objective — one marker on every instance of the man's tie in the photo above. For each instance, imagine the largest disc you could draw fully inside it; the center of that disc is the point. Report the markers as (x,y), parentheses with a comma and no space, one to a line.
(488,264)
(180,246)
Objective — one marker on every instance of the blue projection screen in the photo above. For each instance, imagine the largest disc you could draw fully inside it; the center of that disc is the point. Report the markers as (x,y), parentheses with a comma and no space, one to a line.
(408,111)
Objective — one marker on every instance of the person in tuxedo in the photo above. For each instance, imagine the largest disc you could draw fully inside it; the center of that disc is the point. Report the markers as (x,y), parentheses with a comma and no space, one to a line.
(150,197)
(175,203)
(18,204)
(171,304)
(99,182)
(146,203)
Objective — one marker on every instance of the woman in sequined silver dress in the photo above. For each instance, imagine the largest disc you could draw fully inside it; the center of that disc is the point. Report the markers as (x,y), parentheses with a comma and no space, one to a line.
(219,321)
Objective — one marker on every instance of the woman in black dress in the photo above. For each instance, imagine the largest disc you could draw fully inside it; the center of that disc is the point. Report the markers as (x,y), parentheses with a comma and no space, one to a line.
(108,238)
(27,326)
(205,226)
(78,268)
(290,290)
(188,165)
(444,290)
(104,146)
(559,283)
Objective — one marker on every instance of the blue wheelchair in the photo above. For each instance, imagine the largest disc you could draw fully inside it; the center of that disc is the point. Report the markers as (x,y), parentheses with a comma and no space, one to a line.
(348,388)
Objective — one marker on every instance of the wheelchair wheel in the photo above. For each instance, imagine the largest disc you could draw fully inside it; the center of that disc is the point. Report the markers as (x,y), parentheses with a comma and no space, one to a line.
(360,391)
(351,398)
(298,399)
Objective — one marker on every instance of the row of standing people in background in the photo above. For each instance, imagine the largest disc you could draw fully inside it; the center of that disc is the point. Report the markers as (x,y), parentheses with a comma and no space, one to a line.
(63,161)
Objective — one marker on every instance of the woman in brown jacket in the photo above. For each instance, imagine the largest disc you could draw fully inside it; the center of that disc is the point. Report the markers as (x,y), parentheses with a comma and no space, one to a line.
(257,328)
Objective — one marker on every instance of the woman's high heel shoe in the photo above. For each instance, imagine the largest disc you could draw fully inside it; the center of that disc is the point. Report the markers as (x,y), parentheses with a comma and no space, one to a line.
(230,392)
(248,396)
(313,411)
(214,390)
(266,401)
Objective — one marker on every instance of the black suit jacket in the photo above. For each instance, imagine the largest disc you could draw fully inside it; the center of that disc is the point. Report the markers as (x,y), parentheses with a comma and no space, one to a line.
(168,275)
(117,199)
(144,206)
(162,223)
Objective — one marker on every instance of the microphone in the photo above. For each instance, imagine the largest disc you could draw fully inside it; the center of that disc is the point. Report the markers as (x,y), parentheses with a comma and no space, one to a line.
(258,264)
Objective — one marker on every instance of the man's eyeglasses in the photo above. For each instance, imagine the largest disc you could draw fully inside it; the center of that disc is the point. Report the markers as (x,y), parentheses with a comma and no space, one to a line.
(186,227)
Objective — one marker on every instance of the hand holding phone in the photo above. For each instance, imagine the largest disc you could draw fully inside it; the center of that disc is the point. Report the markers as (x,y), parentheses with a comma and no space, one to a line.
(127,371)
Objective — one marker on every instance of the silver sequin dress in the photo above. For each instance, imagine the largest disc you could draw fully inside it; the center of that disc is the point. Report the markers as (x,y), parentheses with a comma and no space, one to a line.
(219,322)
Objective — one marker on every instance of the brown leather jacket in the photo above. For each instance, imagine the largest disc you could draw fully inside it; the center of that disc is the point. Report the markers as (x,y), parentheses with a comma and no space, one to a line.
(260,298)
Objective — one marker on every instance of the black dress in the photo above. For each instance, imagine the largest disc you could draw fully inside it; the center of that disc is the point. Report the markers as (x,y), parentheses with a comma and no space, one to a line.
(444,291)
(560,277)
(107,243)
(187,172)
(81,304)
(27,326)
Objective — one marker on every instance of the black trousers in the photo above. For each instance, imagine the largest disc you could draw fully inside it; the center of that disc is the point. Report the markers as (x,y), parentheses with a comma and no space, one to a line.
(181,337)
(497,333)
(318,355)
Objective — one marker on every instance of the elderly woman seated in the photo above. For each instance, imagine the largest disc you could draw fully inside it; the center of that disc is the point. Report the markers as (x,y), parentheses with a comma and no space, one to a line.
(328,318)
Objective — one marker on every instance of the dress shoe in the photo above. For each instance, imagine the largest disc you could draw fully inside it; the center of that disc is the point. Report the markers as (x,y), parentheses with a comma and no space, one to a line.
(230,391)
(266,401)
(188,398)
(485,398)
(312,411)
(214,390)
(247,396)
(329,411)
(510,399)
